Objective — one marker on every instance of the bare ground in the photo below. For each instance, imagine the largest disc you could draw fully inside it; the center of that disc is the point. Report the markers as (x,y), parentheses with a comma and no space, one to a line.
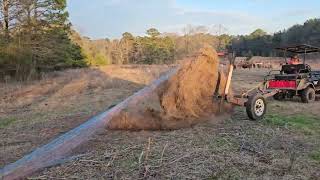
(284,145)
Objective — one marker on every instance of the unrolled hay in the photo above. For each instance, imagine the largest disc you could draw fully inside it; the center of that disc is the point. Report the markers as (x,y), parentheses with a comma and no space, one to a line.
(181,101)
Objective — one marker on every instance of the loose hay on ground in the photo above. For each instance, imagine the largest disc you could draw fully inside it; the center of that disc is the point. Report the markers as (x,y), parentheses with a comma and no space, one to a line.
(183,100)
(229,150)
(39,111)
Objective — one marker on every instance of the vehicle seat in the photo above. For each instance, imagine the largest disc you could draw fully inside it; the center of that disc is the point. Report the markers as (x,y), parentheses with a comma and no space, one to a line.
(290,72)
(294,69)
(286,77)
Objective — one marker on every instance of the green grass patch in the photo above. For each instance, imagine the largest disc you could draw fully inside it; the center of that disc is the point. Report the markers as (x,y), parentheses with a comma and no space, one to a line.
(315,155)
(6,122)
(222,142)
(309,125)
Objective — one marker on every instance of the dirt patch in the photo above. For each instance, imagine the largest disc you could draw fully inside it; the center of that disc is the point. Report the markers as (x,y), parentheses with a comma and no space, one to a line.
(185,99)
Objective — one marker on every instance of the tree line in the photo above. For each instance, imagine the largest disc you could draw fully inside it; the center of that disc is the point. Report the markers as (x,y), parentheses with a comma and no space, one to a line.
(259,43)
(153,48)
(34,37)
(166,48)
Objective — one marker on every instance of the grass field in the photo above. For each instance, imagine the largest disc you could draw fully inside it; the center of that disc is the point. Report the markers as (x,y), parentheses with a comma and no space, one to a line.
(284,145)
(32,114)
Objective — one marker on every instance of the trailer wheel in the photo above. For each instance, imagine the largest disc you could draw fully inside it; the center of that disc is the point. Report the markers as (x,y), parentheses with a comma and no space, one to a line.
(256,107)
(308,95)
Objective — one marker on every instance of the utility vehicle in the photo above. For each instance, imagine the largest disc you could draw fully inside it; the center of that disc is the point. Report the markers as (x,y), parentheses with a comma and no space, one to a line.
(292,80)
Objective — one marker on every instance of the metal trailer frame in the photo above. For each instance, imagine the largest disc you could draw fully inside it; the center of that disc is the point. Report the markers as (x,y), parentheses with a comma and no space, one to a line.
(252,99)
(299,49)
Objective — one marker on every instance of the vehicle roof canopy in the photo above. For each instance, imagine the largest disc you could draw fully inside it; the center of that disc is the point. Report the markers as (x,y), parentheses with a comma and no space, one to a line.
(300,49)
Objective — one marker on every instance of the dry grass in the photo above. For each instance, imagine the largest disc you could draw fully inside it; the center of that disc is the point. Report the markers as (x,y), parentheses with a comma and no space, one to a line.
(32,114)
(283,146)
(234,149)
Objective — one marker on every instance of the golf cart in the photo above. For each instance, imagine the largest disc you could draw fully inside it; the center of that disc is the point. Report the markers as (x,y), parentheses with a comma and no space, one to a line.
(295,79)
(292,80)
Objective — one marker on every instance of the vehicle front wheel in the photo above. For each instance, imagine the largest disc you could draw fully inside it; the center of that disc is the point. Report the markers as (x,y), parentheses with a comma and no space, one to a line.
(256,107)
(308,95)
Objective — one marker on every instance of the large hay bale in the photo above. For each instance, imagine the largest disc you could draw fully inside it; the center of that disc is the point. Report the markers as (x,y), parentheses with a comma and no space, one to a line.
(177,100)
(183,100)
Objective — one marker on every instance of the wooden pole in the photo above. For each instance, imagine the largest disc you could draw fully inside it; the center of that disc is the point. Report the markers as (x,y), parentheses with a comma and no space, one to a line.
(230,72)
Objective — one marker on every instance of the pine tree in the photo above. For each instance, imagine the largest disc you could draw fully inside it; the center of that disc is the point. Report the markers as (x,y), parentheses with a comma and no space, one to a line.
(39,37)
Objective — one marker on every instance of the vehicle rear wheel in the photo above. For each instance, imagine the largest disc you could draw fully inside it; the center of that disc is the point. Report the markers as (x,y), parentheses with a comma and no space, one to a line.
(308,95)
(256,107)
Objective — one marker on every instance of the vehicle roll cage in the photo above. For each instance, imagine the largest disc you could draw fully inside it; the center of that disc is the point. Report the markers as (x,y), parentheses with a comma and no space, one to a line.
(299,49)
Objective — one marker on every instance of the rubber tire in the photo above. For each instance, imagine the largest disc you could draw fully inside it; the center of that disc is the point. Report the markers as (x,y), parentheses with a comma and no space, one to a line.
(250,107)
(279,97)
(305,95)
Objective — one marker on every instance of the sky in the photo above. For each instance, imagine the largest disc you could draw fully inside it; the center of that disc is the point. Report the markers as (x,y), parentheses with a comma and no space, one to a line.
(110,18)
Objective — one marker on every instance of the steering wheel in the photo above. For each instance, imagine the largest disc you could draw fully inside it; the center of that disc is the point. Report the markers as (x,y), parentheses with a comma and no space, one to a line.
(308,67)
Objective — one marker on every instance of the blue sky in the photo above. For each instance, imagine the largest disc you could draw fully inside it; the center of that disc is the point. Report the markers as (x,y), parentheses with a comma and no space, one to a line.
(110,18)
